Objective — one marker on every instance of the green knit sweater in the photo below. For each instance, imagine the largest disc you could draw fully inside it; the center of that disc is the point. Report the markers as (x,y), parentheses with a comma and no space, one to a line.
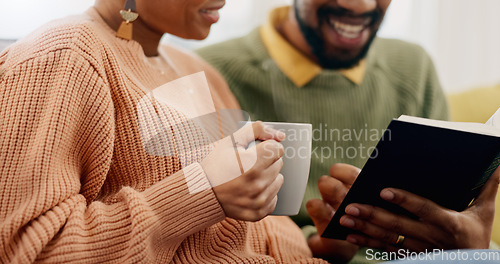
(348,119)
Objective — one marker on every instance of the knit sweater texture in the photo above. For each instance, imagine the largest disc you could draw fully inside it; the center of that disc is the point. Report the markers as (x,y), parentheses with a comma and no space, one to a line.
(348,119)
(78,186)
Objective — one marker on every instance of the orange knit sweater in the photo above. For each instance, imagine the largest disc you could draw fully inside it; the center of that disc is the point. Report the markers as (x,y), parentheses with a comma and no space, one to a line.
(76,184)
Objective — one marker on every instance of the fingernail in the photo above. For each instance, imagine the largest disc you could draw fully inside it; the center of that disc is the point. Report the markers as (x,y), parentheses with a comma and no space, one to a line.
(352,240)
(351,210)
(347,222)
(387,195)
(281,135)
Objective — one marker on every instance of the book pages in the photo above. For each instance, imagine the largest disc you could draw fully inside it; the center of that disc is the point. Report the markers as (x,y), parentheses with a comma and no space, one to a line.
(495,120)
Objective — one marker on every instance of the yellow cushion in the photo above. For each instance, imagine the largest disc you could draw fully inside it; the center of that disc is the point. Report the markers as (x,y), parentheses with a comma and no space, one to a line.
(478,105)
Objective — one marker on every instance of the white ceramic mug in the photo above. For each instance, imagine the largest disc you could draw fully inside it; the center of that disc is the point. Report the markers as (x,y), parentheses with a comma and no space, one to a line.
(296,165)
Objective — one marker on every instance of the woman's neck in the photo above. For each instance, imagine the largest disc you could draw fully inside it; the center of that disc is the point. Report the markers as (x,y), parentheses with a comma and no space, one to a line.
(145,36)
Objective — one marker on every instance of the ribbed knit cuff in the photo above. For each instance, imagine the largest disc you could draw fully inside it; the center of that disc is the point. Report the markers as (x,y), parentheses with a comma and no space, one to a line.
(181,212)
(196,179)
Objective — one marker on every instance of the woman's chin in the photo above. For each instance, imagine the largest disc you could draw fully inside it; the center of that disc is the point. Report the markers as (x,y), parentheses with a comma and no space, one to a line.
(201,35)
(198,34)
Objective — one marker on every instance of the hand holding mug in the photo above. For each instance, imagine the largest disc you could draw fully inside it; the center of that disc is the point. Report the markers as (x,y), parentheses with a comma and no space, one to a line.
(252,195)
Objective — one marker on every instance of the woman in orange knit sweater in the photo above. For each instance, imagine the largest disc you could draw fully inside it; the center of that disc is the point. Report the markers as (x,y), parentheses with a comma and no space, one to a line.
(78,183)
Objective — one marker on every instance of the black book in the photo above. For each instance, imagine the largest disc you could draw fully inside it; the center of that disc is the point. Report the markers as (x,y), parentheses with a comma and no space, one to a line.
(446,162)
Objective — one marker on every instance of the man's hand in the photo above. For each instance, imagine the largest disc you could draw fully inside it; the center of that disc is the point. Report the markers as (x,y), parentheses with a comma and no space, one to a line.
(333,189)
(437,227)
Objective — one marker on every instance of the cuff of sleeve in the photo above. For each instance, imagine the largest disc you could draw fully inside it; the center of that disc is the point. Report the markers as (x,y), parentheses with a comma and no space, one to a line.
(184,203)
(308,231)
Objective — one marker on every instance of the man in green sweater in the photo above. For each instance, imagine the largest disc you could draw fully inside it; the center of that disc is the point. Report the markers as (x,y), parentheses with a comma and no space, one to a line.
(320,62)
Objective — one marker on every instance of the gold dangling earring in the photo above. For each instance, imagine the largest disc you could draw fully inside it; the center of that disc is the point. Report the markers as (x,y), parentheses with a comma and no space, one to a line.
(129,15)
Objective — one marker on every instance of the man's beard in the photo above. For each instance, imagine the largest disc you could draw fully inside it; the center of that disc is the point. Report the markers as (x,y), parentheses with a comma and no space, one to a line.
(317,43)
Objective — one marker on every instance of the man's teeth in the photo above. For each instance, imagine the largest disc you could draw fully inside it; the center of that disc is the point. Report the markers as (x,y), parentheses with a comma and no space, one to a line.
(347,30)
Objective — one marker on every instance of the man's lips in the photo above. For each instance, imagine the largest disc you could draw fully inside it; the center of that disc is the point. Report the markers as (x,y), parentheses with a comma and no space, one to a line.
(365,20)
(350,29)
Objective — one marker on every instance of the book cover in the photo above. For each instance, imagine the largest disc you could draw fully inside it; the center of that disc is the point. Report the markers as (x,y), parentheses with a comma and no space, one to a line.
(444,165)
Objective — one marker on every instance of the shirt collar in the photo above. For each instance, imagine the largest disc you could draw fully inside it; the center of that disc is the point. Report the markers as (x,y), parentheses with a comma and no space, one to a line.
(295,65)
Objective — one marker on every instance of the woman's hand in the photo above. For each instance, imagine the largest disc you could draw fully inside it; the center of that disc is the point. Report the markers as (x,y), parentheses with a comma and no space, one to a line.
(436,228)
(333,189)
(246,181)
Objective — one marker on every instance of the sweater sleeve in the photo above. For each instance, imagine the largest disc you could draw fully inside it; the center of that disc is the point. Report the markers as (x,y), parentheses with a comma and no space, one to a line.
(57,126)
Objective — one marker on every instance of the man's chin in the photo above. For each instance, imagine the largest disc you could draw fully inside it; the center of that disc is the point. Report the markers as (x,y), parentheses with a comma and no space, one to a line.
(342,58)
(335,63)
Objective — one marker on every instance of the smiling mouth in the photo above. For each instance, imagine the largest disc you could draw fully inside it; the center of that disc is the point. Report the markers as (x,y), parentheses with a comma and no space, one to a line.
(211,14)
(210,11)
(349,29)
